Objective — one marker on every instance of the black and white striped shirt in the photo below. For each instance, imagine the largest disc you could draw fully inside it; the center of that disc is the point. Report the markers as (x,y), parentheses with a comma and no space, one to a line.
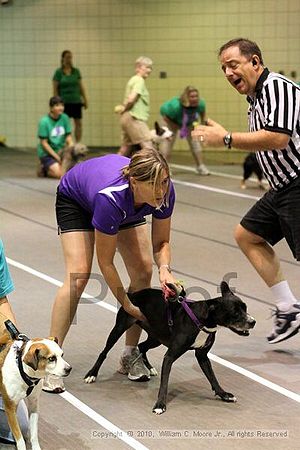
(276,107)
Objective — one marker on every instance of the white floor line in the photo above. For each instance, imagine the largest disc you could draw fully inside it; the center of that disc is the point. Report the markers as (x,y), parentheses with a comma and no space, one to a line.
(120,434)
(246,373)
(57,283)
(217,174)
(213,189)
(275,387)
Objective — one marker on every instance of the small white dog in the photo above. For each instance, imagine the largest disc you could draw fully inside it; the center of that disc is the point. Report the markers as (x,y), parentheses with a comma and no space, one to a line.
(160,133)
(24,363)
(72,155)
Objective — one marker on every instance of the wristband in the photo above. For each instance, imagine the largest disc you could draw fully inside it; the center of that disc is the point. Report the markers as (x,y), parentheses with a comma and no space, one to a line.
(166,266)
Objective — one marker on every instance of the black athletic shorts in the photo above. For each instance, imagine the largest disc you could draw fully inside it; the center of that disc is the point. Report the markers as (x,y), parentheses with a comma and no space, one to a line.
(73,110)
(277,215)
(70,216)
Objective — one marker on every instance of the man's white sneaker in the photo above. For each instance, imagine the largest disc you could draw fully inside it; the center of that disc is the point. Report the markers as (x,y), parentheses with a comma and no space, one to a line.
(286,324)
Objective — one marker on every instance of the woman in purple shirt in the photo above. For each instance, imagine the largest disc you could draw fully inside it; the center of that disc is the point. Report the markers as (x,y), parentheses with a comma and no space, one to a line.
(102,203)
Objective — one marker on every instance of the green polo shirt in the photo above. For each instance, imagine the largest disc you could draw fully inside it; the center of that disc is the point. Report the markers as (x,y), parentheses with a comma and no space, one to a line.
(173,109)
(68,85)
(141,108)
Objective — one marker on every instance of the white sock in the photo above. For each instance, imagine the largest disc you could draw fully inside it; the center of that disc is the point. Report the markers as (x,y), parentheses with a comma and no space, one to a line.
(128,350)
(283,295)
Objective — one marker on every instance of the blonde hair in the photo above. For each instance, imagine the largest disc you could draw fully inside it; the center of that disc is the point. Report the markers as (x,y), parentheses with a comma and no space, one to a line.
(184,98)
(144,61)
(147,165)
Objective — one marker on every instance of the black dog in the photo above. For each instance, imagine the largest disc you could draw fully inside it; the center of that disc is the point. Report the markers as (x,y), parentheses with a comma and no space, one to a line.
(171,325)
(251,166)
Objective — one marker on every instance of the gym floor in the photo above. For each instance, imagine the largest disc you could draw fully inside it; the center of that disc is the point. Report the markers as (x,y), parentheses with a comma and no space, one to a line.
(115,413)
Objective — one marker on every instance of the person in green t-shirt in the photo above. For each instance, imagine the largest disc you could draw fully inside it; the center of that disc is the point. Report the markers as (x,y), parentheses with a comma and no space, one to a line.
(54,132)
(67,84)
(135,109)
(181,114)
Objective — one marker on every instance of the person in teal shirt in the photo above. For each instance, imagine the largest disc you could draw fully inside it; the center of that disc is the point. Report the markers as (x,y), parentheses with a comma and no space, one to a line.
(54,132)
(181,114)
(6,287)
(67,84)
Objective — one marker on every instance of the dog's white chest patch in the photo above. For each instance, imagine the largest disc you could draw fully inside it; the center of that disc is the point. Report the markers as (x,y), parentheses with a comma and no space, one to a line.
(202,338)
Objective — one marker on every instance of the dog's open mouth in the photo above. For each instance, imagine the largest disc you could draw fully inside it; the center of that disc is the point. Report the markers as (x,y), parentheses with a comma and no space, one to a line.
(240,332)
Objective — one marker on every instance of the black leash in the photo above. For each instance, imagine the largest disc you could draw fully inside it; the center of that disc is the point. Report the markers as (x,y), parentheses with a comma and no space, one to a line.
(17,336)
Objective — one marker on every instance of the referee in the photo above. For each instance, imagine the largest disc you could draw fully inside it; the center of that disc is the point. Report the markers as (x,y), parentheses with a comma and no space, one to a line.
(274,134)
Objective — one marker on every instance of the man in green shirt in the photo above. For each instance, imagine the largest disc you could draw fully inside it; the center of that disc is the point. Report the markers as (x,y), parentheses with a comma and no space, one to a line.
(54,132)
(135,109)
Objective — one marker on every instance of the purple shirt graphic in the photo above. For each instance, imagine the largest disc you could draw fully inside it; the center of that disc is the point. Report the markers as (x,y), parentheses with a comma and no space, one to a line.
(100,188)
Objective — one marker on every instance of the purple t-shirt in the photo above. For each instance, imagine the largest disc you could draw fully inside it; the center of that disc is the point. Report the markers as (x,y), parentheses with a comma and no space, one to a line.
(100,188)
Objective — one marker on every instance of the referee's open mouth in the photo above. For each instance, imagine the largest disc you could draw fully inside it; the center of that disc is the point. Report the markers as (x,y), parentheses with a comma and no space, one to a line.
(237,82)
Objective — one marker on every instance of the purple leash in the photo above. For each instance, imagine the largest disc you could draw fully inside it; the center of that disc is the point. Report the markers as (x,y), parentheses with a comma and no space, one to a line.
(210,334)
(185,301)
(200,325)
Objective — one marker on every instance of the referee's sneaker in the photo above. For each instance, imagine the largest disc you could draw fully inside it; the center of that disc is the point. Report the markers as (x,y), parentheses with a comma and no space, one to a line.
(286,324)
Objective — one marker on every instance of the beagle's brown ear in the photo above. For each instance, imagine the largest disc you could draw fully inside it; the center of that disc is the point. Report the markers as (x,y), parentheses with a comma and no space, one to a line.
(53,338)
(31,358)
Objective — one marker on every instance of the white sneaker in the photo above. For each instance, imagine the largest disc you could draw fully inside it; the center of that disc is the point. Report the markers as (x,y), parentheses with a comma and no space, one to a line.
(286,324)
(202,170)
(133,366)
(53,384)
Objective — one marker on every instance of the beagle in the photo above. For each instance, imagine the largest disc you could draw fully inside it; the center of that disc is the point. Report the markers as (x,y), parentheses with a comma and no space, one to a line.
(24,363)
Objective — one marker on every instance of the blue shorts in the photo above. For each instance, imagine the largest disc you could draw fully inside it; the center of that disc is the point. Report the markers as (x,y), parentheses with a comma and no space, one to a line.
(47,161)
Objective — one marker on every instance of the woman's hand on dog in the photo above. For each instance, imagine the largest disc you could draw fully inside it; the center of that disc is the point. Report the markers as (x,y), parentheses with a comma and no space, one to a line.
(165,276)
(134,311)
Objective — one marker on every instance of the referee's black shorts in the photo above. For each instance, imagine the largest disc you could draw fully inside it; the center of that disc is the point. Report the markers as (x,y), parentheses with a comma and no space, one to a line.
(277,215)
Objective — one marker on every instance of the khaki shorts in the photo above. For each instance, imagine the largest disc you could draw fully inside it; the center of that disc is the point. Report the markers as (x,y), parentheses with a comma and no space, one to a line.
(134,131)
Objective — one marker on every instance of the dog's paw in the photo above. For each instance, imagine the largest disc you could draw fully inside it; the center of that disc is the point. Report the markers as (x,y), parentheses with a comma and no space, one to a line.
(159,408)
(227,397)
(89,378)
